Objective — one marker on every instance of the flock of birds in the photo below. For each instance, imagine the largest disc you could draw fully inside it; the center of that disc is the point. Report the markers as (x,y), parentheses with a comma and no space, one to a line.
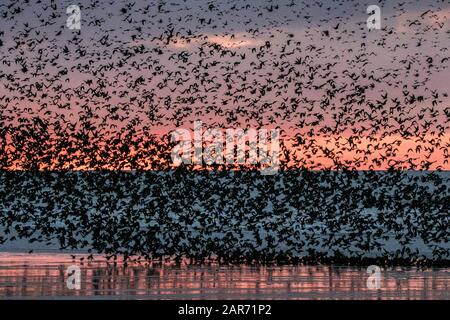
(301,216)
(106,97)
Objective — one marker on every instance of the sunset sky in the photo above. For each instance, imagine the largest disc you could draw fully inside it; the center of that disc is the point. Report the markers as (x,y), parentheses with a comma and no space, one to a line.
(373,99)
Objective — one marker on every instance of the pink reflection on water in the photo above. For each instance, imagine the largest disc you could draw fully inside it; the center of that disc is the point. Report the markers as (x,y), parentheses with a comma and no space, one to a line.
(44,276)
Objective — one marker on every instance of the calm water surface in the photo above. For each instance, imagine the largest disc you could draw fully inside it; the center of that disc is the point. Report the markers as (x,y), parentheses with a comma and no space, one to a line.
(44,276)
